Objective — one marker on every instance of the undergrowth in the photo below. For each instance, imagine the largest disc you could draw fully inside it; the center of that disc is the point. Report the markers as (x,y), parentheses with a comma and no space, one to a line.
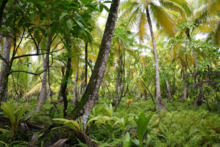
(183,125)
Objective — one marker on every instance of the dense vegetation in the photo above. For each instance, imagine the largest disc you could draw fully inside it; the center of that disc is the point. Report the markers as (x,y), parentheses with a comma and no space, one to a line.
(148,76)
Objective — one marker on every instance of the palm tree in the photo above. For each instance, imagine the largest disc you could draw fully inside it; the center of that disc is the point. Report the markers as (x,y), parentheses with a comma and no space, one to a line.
(139,10)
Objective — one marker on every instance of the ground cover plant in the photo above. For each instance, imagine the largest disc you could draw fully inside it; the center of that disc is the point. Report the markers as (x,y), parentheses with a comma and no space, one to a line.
(120,73)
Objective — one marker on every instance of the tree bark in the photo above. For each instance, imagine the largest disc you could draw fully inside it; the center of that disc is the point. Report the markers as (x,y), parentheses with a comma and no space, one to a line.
(117,86)
(145,95)
(87,102)
(86,63)
(43,92)
(5,69)
(75,96)
(4,2)
(168,89)
(160,105)
(64,85)
(186,91)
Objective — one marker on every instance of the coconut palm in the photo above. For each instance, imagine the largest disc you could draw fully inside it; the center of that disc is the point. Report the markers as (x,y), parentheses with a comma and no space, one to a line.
(139,11)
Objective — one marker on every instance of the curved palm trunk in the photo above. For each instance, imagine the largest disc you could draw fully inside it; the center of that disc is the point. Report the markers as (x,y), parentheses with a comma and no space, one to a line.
(5,69)
(43,92)
(160,105)
(85,106)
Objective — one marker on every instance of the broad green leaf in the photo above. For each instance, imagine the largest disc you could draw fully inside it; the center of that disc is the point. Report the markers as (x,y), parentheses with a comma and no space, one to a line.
(107,1)
(127,140)
(142,123)
(79,24)
(106,8)
(75,123)
(9,111)
(1,142)
(63,15)
(69,24)
(134,143)
(3,130)
(86,1)
(21,112)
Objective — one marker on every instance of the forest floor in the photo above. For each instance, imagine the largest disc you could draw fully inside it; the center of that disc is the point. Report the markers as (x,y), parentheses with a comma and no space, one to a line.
(183,125)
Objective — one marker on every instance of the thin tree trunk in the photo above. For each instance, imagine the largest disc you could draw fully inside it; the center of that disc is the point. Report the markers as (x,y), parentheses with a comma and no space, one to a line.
(145,95)
(75,91)
(64,86)
(43,92)
(117,87)
(87,102)
(86,63)
(186,91)
(148,91)
(168,89)
(199,100)
(5,69)
(63,75)
(160,105)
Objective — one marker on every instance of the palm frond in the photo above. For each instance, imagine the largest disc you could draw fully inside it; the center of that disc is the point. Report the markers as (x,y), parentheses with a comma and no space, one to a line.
(216,36)
(180,6)
(142,26)
(213,7)
(162,18)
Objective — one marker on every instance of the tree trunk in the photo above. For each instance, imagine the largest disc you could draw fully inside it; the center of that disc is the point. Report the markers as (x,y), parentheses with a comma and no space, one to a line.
(75,96)
(168,89)
(43,92)
(64,86)
(86,63)
(145,95)
(160,105)
(63,75)
(87,102)
(186,90)
(4,2)
(117,87)
(200,96)
(5,69)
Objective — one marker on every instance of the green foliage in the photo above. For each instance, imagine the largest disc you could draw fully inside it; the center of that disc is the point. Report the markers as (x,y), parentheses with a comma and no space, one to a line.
(3,143)
(76,126)
(142,124)
(14,116)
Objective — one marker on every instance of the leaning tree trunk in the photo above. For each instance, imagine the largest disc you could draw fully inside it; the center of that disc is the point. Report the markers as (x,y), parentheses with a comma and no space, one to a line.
(87,102)
(160,105)
(5,69)
(43,92)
